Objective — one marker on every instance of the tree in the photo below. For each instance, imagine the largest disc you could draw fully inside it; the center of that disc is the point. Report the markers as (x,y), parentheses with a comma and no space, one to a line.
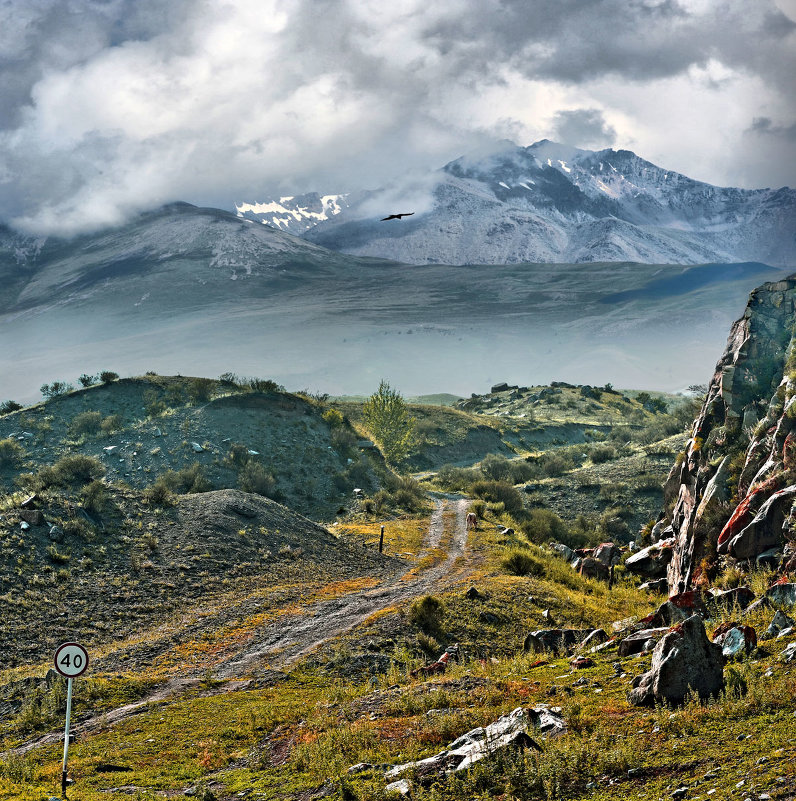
(387,416)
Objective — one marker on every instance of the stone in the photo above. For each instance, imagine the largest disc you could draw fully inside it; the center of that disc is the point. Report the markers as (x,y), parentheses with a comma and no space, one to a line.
(560,640)
(511,730)
(656,586)
(764,531)
(30,501)
(580,662)
(597,637)
(780,622)
(770,558)
(501,387)
(593,569)
(789,654)
(608,553)
(651,562)
(563,550)
(532,644)
(56,534)
(507,532)
(685,659)
(739,597)
(490,618)
(635,643)
(474,595)
(24,525)
(196,447)
(735,639)
(32,516)
(782,594)
(401,787)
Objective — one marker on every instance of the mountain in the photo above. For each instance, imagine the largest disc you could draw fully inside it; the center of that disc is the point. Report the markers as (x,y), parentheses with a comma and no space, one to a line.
(204,292)
(549,203)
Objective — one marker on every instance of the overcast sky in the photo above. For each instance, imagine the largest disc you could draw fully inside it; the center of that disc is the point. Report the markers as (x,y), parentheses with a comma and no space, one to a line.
(108,107)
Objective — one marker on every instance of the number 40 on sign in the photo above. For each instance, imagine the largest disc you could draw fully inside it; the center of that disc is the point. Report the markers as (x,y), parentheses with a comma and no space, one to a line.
(71,660)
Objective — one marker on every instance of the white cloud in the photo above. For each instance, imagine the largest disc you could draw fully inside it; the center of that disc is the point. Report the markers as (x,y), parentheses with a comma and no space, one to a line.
(113,107)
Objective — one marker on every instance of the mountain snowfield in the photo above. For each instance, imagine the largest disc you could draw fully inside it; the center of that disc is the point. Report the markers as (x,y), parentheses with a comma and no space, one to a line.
(550,203)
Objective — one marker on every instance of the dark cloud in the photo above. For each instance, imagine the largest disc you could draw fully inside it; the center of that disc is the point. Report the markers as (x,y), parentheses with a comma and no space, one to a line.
(764,125)
(583,127)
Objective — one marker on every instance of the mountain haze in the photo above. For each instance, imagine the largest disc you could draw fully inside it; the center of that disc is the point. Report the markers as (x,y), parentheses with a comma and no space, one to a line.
(548,203)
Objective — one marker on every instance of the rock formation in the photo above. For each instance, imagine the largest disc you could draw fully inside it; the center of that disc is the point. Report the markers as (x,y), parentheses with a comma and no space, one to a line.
(729,496)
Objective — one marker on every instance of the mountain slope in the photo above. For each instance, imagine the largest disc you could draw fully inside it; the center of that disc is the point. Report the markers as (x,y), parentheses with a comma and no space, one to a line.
(551,203)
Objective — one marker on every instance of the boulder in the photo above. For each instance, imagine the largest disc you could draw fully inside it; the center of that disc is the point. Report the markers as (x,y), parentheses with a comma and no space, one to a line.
(474,595)
(651,562)
(559,640)
(593,569)
(608,553)
(789,654)
(735,639)
(739,597)
(597,637)
(764,531)
(770,558)
(563,550)
(685,659)
(658,586)
(501,387)
(33,516)
(780,622)
(636,642)
(782,594)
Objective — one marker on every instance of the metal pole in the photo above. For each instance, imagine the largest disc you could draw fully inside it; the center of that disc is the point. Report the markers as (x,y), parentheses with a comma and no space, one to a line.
(381,540)
(66,734)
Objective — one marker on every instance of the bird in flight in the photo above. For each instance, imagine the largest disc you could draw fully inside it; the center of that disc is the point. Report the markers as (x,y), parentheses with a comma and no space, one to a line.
(397,216)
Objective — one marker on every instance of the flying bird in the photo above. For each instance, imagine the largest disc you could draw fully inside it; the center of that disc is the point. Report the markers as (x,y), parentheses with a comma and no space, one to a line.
(397,216)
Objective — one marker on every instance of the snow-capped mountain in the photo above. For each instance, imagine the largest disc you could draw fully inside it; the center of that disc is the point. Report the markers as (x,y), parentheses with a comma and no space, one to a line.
(295,214)
(551,203)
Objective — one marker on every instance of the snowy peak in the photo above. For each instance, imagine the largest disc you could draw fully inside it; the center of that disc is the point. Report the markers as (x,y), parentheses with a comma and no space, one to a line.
(294,213)
(548,202)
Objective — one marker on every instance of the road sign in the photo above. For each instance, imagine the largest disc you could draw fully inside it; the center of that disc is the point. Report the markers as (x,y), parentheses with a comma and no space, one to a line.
(71,660)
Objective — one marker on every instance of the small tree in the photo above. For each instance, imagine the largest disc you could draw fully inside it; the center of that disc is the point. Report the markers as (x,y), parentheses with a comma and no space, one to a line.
(108,376)
(87,380)
(387,417)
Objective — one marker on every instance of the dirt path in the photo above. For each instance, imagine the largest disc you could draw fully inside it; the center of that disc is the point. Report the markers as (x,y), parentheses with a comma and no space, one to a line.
(286,641)
(292,637)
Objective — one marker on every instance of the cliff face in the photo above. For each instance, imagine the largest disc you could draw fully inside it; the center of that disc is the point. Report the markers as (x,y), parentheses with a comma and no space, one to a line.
(729,496)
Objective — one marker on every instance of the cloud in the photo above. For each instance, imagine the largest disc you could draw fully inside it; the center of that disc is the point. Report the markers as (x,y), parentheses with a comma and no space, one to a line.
(112,106)
(583,127)
(764,125)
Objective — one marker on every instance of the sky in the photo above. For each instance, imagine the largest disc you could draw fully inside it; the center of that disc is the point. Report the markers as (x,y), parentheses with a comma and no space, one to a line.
(111,107)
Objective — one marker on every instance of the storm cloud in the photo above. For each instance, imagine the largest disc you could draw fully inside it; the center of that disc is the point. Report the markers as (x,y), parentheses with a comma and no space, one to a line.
(108,107)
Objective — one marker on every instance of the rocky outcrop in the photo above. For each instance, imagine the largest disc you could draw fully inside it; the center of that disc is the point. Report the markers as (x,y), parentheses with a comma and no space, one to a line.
(731,492)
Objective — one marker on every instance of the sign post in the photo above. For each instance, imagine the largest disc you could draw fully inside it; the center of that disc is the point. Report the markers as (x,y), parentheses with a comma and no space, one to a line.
(71,661)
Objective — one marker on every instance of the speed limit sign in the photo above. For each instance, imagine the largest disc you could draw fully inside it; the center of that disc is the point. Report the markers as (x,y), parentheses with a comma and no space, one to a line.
(71,660)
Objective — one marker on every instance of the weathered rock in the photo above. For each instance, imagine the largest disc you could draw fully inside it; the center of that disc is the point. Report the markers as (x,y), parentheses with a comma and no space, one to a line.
(563,550)
(739,597)
(655,585)
(501,387)
(56,534)
(196,447)
(593,569)
(33,516)
(608,553)
(651,562)
(474,595)
(597,637)
(782,594)
(765,529)
(532,644)
(683,660)
(560,640)
(770,558)
(734,639)
(511,730)
(635,643)
(789,654)
(402,787)
(490,617)
(779,623)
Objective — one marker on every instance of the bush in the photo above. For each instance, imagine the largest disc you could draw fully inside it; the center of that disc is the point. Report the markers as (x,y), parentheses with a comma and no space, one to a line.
(230,379)
(238,455)
(113,422)
(263,385)
(457,478)
(95,497)
(253,477)
(87,380)
(499,468)
(344,441)
(498,492)
(85,423)
(73,469)
(333,418)
(426,613)
(602,453)
(9,406)
(200,390)
(108,376)
(555,464)
(520,563)
(11,452)
(159,493)
(542,525)
(55,389)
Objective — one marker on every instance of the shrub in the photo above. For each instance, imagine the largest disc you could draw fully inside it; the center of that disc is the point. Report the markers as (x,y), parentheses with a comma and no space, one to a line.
(263,385)
(520,563)
(191,479)
(87,380)
(95,497)
(9,406)
(344,441)
(498,492)
(426,613)
(74,468)
(200,390)
(253,477)
(113,422)
(55,389)
(11,452)
(602,453)
(542,525)
(159,493)
(333,418)
(85,423)
(230,379)
(456,478)
(108,376)
(57,556)
(555,464)
(238,455)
